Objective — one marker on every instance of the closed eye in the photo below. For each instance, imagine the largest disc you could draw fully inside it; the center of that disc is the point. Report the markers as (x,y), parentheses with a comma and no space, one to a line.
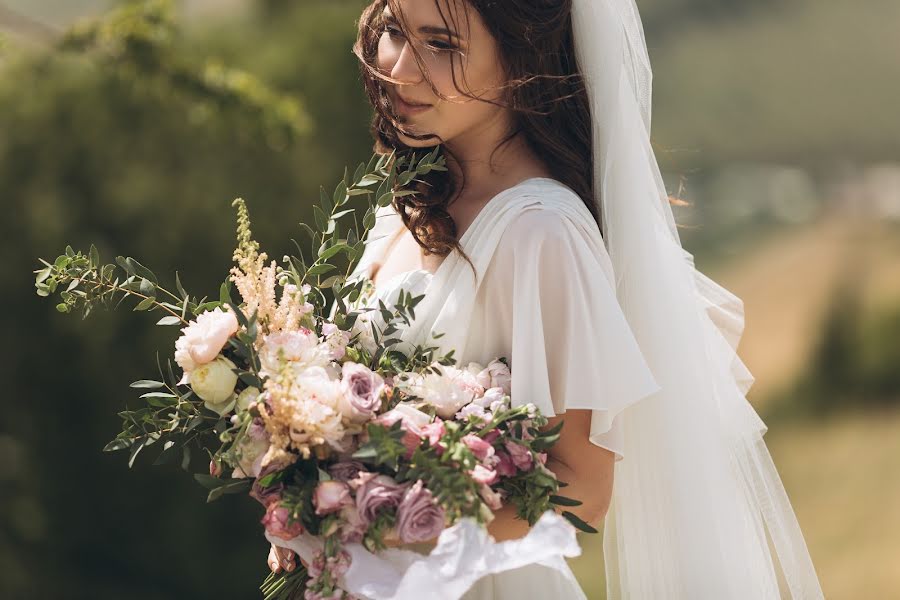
(436,45)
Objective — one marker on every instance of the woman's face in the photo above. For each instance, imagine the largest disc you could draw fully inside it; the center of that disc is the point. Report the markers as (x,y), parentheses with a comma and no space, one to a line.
(477,70)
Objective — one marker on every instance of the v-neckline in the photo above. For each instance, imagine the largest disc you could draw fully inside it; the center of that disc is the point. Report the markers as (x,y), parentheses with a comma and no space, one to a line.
(462,239)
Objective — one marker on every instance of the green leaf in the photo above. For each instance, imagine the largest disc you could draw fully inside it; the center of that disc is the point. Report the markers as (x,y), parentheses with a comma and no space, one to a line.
(170,320)
(563,501)
(94,257)
(320,217)
(145,303)
(578,523)
(320,269)
(178,286)
(148,384)
(225,292)
(235,487)
(118,444)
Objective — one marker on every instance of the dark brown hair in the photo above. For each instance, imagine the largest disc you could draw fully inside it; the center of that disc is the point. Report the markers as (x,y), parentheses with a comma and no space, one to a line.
(544,89)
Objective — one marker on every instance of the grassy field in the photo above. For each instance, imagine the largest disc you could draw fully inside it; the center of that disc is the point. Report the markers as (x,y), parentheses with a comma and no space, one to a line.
(843,478)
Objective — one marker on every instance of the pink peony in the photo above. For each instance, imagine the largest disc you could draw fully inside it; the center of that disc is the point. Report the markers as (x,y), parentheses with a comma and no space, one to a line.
(521,456)
(361,392)
(276,521)
(331,496)
(419,517)
(203,339)
(376,493)
(479,447)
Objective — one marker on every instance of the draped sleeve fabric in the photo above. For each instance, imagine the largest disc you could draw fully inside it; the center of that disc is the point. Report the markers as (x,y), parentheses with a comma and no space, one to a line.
(551,286)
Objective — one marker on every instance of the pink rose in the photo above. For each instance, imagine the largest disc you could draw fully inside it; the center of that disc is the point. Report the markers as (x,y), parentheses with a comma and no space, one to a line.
(277,522)
(482,475)
(521,456)
(419,517)
(376,493)
(203,339)
(361,392)
(479,447)
(331,496)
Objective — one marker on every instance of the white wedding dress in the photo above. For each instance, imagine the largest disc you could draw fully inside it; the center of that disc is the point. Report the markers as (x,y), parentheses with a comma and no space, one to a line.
(544,299)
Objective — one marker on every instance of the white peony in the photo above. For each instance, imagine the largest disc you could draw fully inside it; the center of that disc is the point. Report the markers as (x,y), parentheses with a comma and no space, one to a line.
(203,339)
(214,384)
(447,391)
(301,346)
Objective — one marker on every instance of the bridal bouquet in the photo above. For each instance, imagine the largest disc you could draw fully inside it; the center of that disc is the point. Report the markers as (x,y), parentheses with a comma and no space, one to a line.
(316,408)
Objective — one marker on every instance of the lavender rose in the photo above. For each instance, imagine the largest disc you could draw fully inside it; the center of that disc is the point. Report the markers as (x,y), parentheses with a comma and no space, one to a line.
(376,493)
(419,517)
(361,392)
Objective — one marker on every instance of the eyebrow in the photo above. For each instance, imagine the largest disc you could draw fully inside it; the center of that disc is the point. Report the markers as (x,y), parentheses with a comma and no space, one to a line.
(425,28)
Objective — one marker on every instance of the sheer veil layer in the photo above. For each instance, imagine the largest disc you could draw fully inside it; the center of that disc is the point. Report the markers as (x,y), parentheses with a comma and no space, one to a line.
(699,510)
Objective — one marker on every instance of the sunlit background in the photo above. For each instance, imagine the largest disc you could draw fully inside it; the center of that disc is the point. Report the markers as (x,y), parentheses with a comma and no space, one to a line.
(135,128)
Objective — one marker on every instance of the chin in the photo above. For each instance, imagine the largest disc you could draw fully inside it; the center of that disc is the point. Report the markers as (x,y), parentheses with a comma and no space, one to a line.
(426,143)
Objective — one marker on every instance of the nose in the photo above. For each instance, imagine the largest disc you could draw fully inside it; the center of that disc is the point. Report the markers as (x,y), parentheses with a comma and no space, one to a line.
(406,69)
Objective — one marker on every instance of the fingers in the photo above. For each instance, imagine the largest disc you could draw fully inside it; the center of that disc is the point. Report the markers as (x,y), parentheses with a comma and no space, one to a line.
(281,558)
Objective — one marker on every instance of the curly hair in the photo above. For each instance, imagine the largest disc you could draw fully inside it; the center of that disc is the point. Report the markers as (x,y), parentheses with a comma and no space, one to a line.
(544,90)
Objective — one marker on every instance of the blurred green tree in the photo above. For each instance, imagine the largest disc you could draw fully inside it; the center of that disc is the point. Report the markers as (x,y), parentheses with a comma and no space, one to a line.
(132,137)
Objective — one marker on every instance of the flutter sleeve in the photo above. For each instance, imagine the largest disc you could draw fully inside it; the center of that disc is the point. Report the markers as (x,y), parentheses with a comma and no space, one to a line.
(571,346)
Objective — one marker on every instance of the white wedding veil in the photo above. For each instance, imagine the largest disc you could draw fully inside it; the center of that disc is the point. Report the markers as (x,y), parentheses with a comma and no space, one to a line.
(698,510)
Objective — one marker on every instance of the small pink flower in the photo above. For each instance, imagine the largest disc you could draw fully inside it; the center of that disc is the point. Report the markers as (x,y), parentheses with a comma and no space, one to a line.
(491,436)
(331,496)
(521,456)
(276,522)
(479,447)
(482,475)
(433,432)
(504,465)
(490,497)
(542,457)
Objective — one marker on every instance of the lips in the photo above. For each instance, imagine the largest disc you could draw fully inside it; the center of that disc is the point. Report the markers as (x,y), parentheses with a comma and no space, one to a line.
(411,103)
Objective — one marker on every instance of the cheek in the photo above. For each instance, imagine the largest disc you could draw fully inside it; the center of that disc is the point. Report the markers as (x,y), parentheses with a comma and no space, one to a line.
(388,54)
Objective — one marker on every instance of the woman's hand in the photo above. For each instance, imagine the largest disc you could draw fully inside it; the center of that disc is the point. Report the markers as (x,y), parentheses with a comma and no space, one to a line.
(282,558)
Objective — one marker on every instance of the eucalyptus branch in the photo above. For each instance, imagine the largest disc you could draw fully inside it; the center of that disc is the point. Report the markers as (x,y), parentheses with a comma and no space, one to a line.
(88,283)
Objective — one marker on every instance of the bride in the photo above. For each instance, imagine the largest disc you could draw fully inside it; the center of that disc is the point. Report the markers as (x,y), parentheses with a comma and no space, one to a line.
(549,240)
